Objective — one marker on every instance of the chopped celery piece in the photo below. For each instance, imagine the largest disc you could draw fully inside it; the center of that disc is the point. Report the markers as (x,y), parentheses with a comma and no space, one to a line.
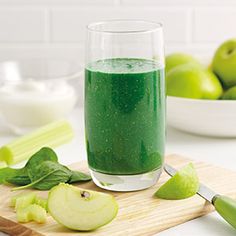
(32,212)
(51,135)
(13,200)
(25,199)
(41,202)
(22,200)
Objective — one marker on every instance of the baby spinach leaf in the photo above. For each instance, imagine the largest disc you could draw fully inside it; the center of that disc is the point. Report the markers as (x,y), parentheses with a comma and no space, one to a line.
(42,172)
(48,175)
(78,176)
(14,176)
(44,154)
(5,173)
(20,177)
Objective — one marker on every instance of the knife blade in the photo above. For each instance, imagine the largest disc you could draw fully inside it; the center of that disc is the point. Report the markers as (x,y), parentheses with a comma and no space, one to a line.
(224,205)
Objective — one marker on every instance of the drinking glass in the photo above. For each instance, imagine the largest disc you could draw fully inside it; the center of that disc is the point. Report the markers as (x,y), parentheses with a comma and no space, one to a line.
(125,103)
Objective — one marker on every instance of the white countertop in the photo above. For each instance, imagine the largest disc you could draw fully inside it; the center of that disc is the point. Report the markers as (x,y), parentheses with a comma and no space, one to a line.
(217,151)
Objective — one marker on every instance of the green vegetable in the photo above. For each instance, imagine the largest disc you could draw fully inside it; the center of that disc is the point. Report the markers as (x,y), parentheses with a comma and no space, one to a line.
(6,173)
(47,175)
(25,199)
(78,176)
(32,212)
(52,135)
(42,172)
(22,200)
(20,177)
(41,202)
(44,154)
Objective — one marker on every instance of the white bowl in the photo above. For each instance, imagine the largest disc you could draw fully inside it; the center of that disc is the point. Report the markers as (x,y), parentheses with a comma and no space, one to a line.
(36,92)
(204,117)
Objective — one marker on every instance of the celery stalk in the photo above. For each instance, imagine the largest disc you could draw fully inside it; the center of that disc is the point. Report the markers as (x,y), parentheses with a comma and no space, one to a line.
(51,135)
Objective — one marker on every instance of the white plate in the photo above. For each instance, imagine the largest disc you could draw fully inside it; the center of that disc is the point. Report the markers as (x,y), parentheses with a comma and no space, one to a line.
(204,117)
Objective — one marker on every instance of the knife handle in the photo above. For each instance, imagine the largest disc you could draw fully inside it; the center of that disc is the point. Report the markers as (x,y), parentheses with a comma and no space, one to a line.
(226,207)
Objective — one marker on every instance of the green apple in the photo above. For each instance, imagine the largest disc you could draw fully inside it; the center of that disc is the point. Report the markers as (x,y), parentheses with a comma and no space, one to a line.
(224,63)
(81,209)
(192,81)
(176,59)
(183,184)
(211,86)
(230,94)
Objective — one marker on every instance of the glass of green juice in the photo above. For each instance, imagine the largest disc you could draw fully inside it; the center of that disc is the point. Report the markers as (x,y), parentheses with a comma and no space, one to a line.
(125,103)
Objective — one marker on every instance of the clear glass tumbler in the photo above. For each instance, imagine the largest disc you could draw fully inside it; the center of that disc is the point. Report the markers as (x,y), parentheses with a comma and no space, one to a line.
(125,103)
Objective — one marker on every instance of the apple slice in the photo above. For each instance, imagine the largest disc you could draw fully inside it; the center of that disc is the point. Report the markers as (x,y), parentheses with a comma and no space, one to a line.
(81,209)
(183,184)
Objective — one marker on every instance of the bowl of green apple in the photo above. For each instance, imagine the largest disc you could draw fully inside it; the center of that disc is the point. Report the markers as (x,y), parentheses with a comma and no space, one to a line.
(202,99)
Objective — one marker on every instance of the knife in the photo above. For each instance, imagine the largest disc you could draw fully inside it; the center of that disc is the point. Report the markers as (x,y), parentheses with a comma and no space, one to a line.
(224,205)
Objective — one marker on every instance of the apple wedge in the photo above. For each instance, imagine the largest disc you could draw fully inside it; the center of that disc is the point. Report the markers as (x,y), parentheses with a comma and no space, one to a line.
(183,184)
(81,209)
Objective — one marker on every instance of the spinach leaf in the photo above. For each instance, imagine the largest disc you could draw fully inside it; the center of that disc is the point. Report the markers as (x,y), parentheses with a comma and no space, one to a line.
(20,177)
(42,172)
(78,176)
(14,176)
(47,175)
(44,154)
(5,173)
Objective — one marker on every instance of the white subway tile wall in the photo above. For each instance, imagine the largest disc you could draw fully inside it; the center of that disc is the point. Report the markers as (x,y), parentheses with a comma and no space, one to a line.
(56,28)
(22,25)
(73,21)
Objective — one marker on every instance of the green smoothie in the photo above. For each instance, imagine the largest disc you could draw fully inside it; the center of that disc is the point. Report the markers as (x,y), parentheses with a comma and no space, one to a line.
(124,116)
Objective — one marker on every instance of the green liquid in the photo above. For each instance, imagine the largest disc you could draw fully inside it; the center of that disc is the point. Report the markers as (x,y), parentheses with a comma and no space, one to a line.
(124,116)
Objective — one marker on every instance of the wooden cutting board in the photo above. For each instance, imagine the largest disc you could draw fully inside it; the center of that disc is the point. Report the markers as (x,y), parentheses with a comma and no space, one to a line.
(139,212)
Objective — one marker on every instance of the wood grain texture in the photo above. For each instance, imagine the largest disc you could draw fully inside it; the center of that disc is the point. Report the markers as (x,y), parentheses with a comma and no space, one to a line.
(14,229)
(139,212)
